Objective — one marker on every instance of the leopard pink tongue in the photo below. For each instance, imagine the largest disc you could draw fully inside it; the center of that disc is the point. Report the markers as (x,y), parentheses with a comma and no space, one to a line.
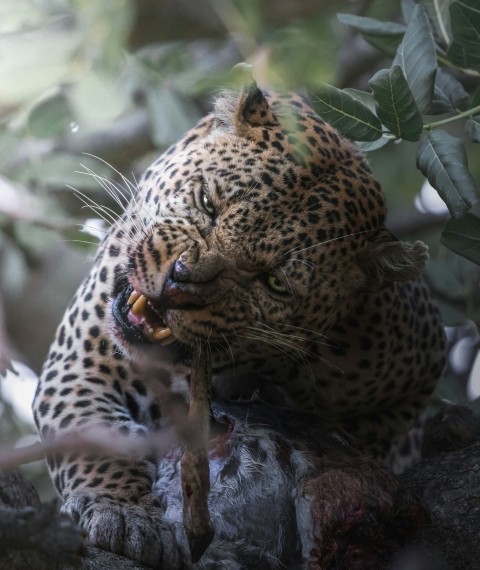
(135,319)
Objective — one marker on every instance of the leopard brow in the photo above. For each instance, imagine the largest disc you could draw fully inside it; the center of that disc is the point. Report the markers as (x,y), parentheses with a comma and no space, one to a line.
(236,191)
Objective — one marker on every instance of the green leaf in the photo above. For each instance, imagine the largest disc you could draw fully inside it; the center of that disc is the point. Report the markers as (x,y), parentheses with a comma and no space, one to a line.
(35,59)
(476,97)
(362,97)
(98,99)
(450,390)
(396,107)
(388,45)
(407,9)
(171,115)
(452,281)
(368,101)
(385,36)
(56,171)
(472,127)
(347,114)
(50,117)
(446,278)
(463,237)
(371,26)
(439,14)
(464,51)
(442,159)
(374,145)
(416,55)
(448,95)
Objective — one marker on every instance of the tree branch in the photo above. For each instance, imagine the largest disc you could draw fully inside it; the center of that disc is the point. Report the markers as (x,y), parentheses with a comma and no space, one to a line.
(34,535)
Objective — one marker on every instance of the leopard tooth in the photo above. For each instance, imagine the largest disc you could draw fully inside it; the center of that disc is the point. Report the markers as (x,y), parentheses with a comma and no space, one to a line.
(133,297)
(139,307)
(161,333)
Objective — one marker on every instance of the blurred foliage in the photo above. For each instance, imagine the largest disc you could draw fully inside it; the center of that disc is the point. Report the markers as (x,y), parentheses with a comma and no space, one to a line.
(122,79)
(415,87)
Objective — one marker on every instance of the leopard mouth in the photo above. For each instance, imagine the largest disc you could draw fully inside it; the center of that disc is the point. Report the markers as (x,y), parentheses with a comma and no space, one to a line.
(139,319)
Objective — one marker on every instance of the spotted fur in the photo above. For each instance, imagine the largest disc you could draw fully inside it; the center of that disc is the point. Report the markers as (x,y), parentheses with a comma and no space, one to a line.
(262,233)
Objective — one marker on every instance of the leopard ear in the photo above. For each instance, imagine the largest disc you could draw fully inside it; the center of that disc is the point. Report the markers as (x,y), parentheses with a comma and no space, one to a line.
(389,259)
(243,107)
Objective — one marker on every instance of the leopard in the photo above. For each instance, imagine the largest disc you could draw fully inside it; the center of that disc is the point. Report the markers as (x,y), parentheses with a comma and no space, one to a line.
(261,235)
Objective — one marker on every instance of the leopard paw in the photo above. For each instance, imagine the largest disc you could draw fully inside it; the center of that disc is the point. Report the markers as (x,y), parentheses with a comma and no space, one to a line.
(133,531)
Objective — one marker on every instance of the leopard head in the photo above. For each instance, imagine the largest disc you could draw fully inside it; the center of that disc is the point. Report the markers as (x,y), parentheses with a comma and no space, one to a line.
(262,223)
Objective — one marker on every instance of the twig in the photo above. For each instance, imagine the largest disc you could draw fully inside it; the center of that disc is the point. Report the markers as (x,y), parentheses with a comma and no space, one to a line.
(94,440)
(195,469)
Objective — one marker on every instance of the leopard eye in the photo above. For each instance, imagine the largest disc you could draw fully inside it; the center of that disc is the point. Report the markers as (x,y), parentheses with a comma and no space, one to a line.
(276,285)
(207,204)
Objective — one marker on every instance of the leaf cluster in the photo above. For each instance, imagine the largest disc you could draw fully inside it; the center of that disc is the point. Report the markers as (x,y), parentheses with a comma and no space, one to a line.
(433,53)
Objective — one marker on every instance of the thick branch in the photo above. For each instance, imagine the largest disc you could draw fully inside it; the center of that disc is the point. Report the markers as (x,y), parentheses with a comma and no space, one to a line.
(448,486)
(34,535)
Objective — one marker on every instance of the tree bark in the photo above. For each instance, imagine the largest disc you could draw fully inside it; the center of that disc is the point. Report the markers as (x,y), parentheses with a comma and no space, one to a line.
(34,535)
(448,487)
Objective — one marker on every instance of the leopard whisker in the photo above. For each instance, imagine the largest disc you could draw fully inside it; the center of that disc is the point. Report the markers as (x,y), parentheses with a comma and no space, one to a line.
(94,243)
(292,292)
(286,349)
(295,250)
(112,189)
(116,192)
(129,187)
(330,342)
(278,341)
(118,217)
(283,339)
(290,336)
(304,261)
(105,232)
(107,214)
(245,194)
(229,349)
(149,216)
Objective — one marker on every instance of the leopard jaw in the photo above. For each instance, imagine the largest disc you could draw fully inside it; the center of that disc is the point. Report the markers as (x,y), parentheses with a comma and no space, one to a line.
(139,307)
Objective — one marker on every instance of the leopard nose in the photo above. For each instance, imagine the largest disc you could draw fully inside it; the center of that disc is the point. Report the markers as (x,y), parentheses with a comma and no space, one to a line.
(192,285)
(181,272)
(205,269)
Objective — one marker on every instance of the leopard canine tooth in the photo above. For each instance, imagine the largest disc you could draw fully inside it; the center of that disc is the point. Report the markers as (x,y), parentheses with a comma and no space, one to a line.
(133,297)
(167,341)
(139,307)
(161,333)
